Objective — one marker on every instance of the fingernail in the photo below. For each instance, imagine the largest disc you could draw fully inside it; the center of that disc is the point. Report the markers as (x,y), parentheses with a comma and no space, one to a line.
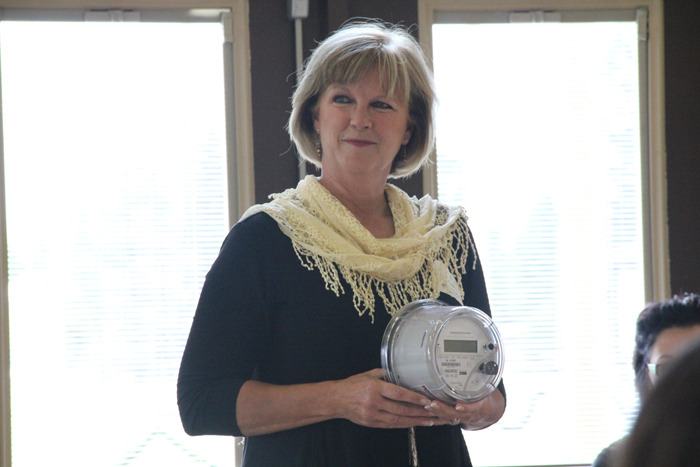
(460,408)
(429,423)
(433,405)
(425,402)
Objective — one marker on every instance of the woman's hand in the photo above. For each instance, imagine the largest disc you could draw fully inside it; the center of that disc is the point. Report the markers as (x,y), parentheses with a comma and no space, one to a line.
(365,399)
(472,416)
(368,400)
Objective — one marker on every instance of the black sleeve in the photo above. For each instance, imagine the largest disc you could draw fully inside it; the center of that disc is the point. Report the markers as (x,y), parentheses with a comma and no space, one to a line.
(474,284)
(227,335)
(475,293)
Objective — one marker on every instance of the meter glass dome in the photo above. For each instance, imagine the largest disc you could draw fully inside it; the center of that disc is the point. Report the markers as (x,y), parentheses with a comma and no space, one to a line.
(451,353)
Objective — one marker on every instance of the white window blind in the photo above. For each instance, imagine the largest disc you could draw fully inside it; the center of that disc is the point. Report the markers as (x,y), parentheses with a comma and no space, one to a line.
(116,192)
(538,137)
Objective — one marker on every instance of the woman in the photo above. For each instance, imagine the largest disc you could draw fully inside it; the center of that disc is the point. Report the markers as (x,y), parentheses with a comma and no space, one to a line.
(664,329)
(285,344)
(667,432)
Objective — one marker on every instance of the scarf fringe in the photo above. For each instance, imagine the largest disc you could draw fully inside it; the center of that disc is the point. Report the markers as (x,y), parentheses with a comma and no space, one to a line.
(395,295)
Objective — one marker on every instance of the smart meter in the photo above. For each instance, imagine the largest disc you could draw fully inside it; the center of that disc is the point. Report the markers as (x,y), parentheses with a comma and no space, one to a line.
(451,353)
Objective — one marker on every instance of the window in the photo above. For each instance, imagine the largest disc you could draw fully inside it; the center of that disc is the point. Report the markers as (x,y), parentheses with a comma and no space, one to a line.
(544,136)
(121,177)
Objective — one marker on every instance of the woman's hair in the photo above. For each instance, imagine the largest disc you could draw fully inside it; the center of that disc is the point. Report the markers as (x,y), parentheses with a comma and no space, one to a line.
(679,311)
(667,431)
(347,56)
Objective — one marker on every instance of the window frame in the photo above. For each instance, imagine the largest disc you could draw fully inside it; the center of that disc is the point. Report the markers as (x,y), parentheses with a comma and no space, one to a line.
(652,112)
(653,124)
(239,135)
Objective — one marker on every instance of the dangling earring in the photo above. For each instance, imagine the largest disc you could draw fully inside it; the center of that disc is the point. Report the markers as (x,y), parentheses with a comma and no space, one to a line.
(319,151)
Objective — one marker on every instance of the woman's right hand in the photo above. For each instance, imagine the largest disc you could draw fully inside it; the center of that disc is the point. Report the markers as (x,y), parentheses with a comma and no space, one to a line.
(365,399)
(368,400)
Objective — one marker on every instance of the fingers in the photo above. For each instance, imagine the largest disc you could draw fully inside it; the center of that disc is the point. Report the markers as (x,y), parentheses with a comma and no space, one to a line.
(404,409)
(472,416)
(367,399)
(446,413)
(392,420)
(377,373)
(396,407)
(397,393)
(376,411)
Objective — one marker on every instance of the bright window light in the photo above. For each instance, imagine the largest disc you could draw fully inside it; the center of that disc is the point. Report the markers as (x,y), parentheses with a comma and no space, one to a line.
(115,172)
(538,138)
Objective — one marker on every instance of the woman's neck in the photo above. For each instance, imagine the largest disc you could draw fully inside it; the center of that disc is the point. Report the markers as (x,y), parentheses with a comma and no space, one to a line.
(366,201)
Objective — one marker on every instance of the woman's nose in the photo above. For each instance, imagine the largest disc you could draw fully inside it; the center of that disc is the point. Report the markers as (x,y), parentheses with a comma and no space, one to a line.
(360,119)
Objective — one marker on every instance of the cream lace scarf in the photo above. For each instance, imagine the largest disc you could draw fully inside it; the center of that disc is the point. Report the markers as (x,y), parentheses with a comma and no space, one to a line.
(427,254)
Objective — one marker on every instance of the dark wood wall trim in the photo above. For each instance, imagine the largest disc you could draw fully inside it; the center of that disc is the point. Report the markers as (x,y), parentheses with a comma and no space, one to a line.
(682,66)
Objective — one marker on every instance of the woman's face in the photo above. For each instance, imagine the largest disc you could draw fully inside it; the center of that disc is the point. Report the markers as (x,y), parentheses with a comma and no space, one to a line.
(360,128)
(669,344)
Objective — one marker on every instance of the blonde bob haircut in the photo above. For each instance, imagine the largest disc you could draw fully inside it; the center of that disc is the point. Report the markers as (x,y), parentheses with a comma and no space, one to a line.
(346,57)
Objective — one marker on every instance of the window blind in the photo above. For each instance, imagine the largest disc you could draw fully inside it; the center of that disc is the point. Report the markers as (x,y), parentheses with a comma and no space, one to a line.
(116,189)
(538,138)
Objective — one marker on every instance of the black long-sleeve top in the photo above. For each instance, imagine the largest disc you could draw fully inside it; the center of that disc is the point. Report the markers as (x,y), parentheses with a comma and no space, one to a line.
(263,316)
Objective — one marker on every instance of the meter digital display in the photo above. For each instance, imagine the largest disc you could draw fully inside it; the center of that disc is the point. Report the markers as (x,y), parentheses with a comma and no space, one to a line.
(451,353)
(460,346)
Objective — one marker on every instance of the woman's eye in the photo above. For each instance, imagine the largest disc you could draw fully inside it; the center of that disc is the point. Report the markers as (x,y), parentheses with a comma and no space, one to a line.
(382,105)
(341,99)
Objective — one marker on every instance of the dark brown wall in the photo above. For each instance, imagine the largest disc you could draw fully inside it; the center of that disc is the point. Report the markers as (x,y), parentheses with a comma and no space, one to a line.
(273,65)
(682,58)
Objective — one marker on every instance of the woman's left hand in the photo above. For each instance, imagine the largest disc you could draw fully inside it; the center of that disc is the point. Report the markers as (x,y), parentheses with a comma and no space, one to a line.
(472,416)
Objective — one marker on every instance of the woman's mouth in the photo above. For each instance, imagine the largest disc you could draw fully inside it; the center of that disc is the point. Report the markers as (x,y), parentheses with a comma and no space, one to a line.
(359,143)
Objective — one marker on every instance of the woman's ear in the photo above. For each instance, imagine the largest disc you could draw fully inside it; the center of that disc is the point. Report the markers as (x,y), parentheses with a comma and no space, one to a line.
(406,137)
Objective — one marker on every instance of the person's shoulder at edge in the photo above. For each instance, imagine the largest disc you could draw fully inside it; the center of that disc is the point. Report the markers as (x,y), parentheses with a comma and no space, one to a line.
(258,227)
(259,222)
(609,456)
(245,242)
